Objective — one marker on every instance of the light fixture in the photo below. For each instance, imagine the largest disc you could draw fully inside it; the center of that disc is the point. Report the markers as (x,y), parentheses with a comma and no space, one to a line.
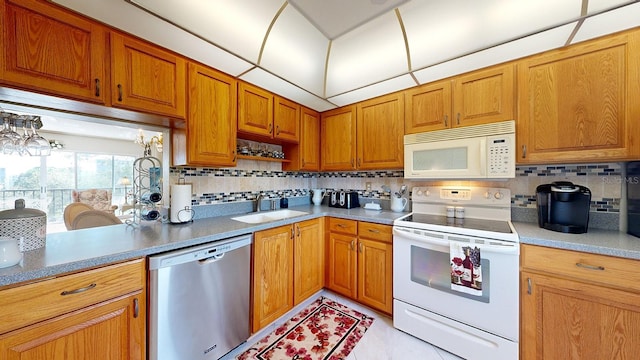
(126,182)
(155,140)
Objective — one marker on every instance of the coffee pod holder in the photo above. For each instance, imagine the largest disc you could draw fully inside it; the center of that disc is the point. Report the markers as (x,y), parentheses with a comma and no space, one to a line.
(147,189)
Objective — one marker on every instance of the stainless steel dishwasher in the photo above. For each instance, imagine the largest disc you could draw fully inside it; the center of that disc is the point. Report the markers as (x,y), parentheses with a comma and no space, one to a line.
(199,300)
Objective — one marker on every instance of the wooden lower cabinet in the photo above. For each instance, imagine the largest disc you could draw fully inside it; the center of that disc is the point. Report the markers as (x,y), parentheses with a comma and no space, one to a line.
(87,322)
(359,265)
(578,306)
(288,267)
(308,259)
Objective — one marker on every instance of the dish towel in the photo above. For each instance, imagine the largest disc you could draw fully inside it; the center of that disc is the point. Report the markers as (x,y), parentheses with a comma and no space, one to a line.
(466,272)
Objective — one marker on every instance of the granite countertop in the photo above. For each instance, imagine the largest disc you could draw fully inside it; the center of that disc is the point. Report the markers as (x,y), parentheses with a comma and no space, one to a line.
(83,249)
(597,241)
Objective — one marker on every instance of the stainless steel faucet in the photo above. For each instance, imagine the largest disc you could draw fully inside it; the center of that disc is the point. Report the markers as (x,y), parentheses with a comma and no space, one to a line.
(258,202)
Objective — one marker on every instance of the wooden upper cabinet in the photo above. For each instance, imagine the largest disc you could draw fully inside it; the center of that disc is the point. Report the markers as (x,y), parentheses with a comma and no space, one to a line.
(306,154)
(380,131)
(147,78)
(484,96)
(255,110)
(210,136)
(428,107)
(479,97)
(338,139)
(580,103)
(286,120)
(49,50)
(263,116)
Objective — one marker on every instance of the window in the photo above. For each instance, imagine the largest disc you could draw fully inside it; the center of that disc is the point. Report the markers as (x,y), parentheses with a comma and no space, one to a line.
(46,182)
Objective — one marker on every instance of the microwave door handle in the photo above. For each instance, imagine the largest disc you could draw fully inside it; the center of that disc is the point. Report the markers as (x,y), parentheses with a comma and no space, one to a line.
(483,156)
(425,238)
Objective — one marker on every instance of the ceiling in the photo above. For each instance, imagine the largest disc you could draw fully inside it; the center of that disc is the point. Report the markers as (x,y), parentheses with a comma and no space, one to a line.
(328,53)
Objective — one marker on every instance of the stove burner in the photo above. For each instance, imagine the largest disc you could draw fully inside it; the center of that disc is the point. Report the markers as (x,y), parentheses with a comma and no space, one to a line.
(467,223)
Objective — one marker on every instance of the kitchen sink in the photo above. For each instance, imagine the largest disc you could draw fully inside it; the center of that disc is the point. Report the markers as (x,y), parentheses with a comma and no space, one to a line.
(263,217)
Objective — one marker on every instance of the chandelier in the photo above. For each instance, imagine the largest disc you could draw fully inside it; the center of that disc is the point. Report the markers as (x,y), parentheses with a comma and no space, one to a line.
(155,140)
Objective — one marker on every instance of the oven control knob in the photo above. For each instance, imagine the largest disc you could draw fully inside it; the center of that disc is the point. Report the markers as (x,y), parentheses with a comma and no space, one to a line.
(420,192)
(487,195)
(498,195)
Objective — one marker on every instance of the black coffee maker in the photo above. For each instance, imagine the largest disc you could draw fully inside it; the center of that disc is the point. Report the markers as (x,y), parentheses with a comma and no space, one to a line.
(563,207)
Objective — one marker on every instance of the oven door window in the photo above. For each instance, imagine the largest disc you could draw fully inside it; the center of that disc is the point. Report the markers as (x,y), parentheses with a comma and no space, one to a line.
(432,268)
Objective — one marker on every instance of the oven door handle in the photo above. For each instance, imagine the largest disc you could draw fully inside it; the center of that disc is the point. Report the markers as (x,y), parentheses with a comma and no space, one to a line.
(497,247)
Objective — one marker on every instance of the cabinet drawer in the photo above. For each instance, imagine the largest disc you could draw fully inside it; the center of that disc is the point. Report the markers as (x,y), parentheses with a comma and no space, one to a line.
(592,268)
(343,226)
(43,300)
(375,231)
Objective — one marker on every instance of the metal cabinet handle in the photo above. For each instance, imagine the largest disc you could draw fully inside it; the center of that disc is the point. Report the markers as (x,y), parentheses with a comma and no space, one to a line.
(351,245)
(270,128)
(234,155)
(446,123)
(351,162)
(341,226)
(360,247)
(524,151)
(458,118)
(77,291)
(376,231)
(529,286)
(298,227)
(302,162)
(97,87)
(119,92)
(277,129)
(136,308)
(590,267)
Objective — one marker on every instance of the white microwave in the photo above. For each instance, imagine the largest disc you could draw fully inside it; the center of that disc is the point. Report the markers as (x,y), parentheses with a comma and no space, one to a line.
(471,152)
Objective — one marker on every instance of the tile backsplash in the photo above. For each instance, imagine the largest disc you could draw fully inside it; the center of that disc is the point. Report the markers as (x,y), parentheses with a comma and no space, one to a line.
(250,177)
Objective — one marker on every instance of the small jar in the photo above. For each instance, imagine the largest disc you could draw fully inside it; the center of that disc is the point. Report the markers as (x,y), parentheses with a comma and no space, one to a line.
(459,211)
(451,212)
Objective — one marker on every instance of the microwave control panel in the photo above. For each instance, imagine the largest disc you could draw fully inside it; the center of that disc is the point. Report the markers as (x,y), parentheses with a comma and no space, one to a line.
(501,155)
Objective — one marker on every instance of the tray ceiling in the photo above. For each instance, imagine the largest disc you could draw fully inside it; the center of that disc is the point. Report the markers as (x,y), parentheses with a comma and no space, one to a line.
(328,53)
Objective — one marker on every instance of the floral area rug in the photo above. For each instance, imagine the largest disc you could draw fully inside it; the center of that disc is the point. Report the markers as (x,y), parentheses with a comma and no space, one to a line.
(324,330)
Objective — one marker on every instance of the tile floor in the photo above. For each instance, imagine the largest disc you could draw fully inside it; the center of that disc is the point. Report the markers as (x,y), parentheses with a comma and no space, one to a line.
(381,342)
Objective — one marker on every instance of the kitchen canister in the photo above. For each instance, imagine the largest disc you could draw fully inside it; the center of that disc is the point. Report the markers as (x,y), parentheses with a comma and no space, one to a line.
(180,204)
(29,226)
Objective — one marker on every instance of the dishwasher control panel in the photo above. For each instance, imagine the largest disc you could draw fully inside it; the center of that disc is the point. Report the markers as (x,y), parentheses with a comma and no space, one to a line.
(215,250)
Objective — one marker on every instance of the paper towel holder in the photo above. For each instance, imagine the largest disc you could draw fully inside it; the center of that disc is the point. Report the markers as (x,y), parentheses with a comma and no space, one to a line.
(181,211)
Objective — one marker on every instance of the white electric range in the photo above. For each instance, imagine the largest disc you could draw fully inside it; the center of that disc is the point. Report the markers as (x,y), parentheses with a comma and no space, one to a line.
(455,279)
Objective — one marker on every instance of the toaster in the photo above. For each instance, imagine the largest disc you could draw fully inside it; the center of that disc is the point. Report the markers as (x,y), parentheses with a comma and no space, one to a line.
(344,199)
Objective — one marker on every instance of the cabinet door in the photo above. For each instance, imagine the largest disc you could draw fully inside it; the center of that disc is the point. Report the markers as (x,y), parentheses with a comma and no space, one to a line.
(567,319)
(580,103)
(338,139)
(49,50)
(380,131)
(484,96)
(342,264)
(308,259)
(286,120)
(147,78)
(210,137)
(428,107)
(113,329)
(255,110)
(310,140)
(375,274)
(272,275)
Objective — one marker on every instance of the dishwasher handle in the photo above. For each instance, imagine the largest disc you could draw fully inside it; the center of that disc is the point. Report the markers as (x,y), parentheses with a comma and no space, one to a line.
(212,259)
